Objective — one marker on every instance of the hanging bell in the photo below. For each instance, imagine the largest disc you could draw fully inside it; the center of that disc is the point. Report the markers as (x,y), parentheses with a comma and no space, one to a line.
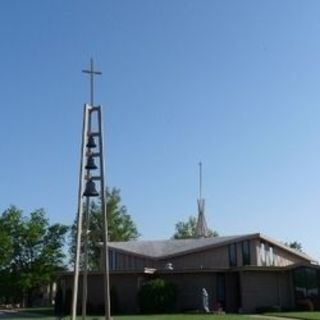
(91,143)
(90,190)
(90,164)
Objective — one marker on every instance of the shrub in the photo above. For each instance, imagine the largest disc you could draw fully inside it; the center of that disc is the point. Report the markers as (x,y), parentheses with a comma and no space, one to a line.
(157,296)
(316,304)
(305,305)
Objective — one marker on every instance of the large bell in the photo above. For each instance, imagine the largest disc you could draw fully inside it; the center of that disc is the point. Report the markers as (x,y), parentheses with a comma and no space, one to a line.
(90,190)
(90,164)
(91,143)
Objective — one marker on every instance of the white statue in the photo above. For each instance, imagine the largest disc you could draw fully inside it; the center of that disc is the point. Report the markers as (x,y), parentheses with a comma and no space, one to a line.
(205,300)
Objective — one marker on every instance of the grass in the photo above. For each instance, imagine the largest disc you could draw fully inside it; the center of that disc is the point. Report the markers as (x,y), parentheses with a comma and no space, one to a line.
(185,317)
(304,315)
(45,314)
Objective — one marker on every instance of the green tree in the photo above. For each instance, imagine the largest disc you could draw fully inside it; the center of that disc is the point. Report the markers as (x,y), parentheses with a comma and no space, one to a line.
(5,246)
(120,228)
(34,253)
(187,229)
(294,245)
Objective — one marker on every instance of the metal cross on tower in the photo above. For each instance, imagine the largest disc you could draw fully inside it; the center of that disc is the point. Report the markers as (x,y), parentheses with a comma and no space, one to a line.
(92,73)
(92,138)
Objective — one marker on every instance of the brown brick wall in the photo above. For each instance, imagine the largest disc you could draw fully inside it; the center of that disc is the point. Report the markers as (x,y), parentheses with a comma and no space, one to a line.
(264,289)
(247,290)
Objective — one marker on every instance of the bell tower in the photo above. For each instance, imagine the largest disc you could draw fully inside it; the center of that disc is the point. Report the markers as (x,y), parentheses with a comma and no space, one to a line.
(92,151)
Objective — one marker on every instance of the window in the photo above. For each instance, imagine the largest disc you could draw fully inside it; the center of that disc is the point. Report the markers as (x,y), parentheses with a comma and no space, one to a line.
(306,282)
(233,255)
(300,283)
(263,253)
(246,258)
(271,256)
(129,262)
(112,259)
(266,254)
(311,282)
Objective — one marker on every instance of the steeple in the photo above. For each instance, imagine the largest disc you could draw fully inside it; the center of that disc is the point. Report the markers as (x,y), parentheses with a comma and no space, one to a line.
(201,227)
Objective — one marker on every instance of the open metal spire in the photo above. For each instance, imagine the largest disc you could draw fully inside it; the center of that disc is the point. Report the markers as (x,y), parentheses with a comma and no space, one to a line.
(201,227)
(200,180)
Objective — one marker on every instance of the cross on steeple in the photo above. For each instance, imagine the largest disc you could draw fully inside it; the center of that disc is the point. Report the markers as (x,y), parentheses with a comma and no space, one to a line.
(92,73)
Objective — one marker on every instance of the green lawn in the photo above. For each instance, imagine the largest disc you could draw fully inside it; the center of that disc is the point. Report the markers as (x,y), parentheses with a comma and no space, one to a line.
(184,317)
(40,315)
(306,315)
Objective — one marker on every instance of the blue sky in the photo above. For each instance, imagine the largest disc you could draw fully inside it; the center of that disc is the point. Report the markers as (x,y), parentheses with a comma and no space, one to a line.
(234,84)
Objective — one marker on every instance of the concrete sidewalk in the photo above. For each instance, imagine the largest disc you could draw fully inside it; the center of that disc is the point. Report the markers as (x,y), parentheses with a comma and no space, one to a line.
(261,317)
(6,314)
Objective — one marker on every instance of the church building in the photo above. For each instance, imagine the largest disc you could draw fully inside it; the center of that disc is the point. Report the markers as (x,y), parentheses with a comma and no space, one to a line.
(240,273)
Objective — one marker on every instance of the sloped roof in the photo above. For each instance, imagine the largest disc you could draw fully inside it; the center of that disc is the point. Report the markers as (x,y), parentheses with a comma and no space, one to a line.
(166,248)
(159,249)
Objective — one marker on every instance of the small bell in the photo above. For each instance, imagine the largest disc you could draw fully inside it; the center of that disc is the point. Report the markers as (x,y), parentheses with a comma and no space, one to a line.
(90,164)
(91,143)
(90,190)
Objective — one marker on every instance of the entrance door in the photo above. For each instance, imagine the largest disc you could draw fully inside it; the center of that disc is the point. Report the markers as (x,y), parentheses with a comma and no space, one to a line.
(232,301)
(221,290)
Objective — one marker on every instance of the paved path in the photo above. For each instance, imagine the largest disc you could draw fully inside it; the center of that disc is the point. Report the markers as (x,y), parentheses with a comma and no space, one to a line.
(5,314)
(261,317)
